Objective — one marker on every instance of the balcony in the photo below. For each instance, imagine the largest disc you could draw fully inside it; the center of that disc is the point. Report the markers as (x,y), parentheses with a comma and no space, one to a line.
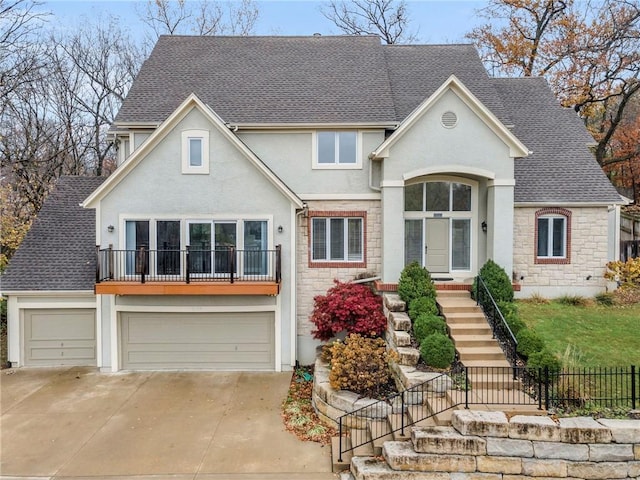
(225,271)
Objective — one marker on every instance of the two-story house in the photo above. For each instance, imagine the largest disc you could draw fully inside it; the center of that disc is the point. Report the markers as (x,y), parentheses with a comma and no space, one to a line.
(253,171)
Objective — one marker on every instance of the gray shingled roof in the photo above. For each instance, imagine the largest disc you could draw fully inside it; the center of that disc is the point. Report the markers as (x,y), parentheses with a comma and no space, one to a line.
(561,168)
(58,252)
(265,79)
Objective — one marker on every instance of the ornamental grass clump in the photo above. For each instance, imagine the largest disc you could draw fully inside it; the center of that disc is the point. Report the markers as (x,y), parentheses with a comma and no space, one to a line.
(349,307)
(360,364)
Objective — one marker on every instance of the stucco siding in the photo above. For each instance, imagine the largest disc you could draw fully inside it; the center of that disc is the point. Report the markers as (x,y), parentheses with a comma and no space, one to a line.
(290,155)
(589,253)
(312,281)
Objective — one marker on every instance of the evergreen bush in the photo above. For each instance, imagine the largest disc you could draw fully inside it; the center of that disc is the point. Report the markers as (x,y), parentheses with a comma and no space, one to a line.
(437,350)
(544,358)
(421,305)
(529,342)
(512,317)
(497,281)
(428,324)
(415,281)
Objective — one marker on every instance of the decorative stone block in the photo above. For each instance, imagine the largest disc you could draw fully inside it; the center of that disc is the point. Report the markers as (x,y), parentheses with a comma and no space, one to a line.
(536,467)
(534,427)
(446,440)
(480,423)
(583,430)
(402,456)
(401,339)
(623,431)
(323,390)
(408,356)
(634,469)
(505,465)
(343,400)
(611,453)
(366,468)
(370,408)
(636,452)
(565,451)
(597,471)
(507,447)
(400,321)
(393,302)
(475,476)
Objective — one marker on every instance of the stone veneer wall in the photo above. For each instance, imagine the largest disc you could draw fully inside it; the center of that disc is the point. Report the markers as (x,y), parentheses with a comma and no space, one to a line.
(589,247)
(489,446)
(312,281)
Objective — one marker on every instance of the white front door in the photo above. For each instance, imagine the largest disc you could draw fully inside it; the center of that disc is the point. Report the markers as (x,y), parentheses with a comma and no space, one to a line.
(437,245)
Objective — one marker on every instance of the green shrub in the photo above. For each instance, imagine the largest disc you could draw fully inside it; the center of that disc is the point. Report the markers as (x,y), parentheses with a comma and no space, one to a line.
(511,315)
(415,281)
(427,324)
(544,358)
(437,350)
(360,364)
(497,281)
(421,305)
(529,342)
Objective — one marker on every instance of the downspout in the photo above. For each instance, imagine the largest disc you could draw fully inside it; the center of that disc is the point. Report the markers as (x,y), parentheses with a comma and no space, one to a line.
(294,283)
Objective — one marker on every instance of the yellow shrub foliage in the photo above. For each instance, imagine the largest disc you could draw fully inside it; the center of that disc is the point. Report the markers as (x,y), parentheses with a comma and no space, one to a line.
(627,274)
(360,364)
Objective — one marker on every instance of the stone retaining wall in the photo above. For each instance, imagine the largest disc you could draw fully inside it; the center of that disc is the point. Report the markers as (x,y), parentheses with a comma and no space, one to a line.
(490,446)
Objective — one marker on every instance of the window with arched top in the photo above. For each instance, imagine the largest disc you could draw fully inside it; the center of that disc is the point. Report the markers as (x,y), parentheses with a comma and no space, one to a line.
(553,236)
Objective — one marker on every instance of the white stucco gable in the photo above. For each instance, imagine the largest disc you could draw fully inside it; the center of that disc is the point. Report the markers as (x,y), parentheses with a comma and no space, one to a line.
(454,85)
(192,102)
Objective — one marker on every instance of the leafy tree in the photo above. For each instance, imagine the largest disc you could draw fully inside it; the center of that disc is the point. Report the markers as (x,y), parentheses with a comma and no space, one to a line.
(388,19)
(588,51)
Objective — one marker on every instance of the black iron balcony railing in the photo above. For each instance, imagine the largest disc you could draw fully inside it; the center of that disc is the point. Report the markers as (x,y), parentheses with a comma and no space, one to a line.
(190,265)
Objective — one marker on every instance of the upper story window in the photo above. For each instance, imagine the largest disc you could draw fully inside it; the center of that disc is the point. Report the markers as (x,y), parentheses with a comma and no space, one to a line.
(337,150)
(437,197)
(195,151)
(553,235)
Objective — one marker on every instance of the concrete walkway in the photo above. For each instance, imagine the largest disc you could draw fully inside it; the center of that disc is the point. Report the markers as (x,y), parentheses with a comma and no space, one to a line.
(72,423)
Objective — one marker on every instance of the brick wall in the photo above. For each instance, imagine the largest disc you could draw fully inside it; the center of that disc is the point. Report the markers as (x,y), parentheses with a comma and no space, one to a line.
(588,253)
(312,281)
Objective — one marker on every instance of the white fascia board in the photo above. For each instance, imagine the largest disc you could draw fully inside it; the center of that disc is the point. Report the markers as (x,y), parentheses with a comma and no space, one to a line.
(563,204)
(315,126)
(516,147)
(48,293)
(163,130)
(339,196)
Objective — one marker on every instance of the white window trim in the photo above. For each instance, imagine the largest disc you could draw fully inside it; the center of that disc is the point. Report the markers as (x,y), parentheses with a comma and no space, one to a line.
(337,166)
(186,167)
(550,237)
(345,252)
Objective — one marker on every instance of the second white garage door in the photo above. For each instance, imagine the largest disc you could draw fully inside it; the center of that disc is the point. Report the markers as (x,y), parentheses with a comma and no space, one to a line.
(211,341)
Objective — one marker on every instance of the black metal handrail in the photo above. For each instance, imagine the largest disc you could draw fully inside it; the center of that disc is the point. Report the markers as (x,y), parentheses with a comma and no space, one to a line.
(499,325)
(503,386)
(190,265)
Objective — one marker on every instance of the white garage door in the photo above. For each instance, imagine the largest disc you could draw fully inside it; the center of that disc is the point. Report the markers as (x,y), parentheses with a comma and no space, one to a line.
(212,341)
(60,337)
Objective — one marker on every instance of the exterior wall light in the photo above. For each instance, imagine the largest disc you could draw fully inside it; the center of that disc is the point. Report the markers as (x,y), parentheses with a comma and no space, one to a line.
(110,228)
(280,229)
(484,226)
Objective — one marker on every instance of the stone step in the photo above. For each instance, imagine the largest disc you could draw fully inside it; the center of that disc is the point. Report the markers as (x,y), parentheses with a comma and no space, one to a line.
(395,422)
(399,338)
(456,329)
(470,318)
(475,341)
(393,302)
(380,432)
(346,475)
(487,363)
(362,438)
(402,456)
(446,440)
(456,307)
(480,353)
(370,468)
(340,464)
(494,380)
(452,294)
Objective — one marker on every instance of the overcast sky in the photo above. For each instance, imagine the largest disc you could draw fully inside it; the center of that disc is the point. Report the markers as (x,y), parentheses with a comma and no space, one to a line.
(436,21)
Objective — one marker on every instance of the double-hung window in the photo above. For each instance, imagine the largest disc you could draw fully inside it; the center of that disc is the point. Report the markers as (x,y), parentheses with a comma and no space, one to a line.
(553,236)
(337,239)
(195,151)
(337,150)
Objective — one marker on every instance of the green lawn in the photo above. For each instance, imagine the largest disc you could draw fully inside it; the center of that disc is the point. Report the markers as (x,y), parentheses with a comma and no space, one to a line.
(599,335)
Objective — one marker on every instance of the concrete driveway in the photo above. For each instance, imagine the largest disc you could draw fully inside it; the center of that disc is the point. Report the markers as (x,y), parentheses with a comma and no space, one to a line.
(77,423)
